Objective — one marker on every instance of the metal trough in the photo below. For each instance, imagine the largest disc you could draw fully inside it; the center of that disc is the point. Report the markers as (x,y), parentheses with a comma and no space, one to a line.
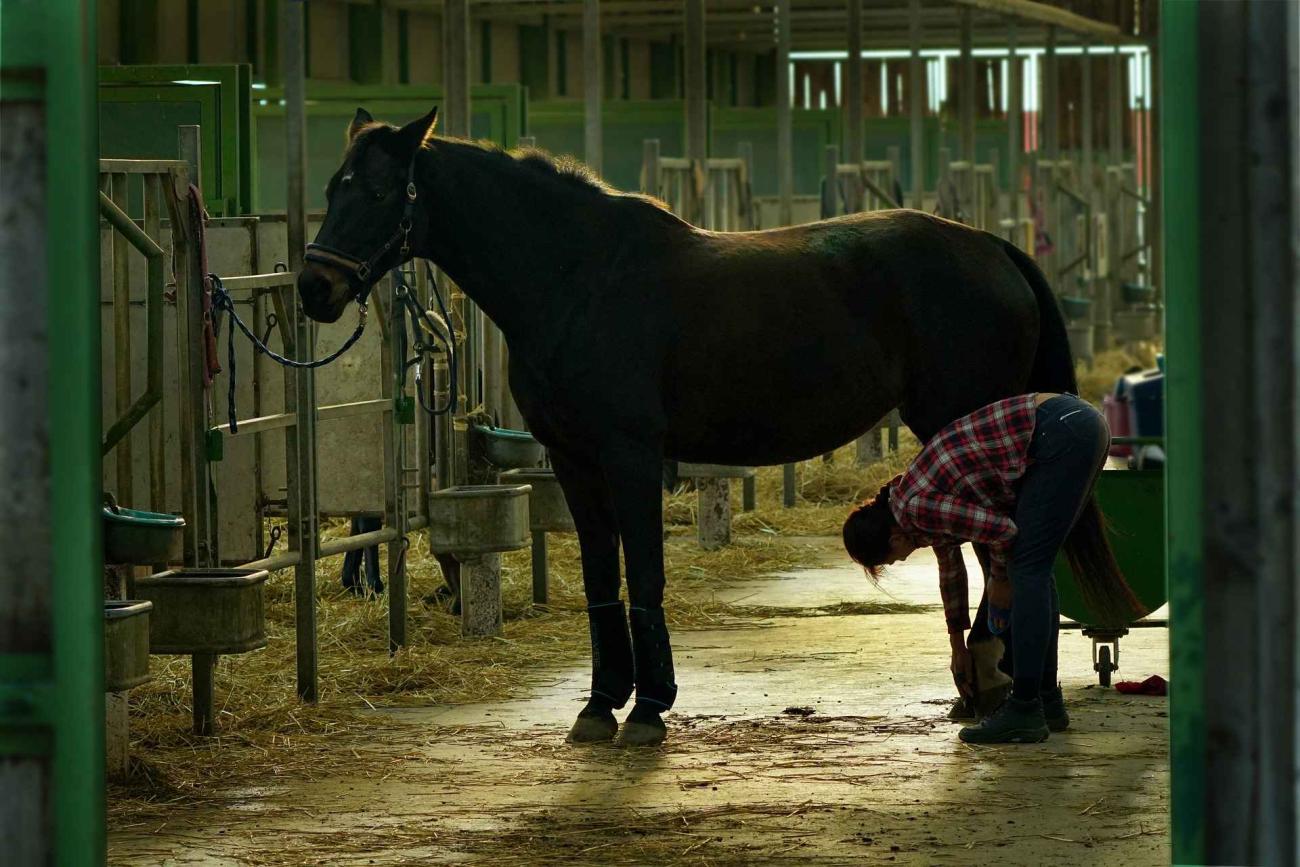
(126,644)
(470,520)
(205,611)
(548,511)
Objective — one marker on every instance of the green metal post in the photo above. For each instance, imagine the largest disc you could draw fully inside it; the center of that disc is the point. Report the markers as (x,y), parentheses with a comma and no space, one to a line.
(1183,388)
(54,701)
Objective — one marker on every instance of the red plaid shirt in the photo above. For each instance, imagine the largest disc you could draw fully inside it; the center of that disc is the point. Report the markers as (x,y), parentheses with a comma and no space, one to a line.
(961,489)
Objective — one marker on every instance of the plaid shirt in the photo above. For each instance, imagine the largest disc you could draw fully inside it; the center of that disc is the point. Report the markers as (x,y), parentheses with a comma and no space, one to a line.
(960,488)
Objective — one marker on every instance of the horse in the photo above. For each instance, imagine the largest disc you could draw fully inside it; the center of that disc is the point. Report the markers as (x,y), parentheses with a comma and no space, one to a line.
(635,337)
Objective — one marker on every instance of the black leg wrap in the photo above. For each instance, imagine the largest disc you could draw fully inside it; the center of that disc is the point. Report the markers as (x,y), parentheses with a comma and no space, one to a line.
(612,672)
(656,685)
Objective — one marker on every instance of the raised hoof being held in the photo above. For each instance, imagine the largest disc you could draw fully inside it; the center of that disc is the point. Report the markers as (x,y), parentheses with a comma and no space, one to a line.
(593,727)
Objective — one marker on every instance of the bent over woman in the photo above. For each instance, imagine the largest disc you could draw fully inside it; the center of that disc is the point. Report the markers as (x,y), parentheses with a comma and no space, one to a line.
(1014,477)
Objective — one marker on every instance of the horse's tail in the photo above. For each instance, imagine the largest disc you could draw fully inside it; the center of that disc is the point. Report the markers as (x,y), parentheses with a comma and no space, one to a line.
(1088,550)
(1053,362)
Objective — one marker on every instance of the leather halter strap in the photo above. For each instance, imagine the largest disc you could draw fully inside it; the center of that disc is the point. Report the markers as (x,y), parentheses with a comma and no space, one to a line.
(363,268)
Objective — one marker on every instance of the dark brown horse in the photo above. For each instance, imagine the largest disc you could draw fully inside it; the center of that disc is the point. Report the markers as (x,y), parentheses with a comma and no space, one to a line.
(636,337)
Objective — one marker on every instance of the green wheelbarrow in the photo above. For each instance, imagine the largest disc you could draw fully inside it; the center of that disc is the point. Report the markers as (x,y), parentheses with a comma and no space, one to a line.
(1133,502)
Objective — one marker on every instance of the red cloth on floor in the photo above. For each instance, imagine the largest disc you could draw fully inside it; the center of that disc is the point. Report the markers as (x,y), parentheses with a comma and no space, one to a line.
(1153,685)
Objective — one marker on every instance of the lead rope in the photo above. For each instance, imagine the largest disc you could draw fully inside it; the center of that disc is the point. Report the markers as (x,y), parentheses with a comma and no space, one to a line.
(223,302)
(421,321)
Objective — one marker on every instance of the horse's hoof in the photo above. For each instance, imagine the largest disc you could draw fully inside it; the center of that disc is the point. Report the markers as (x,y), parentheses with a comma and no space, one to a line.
(642,728)
(593,728)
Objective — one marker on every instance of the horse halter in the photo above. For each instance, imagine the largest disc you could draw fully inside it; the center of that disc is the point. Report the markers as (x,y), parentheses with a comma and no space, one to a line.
(362,269)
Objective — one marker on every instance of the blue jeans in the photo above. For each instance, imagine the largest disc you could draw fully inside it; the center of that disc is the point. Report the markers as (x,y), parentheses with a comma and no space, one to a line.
(1067,451)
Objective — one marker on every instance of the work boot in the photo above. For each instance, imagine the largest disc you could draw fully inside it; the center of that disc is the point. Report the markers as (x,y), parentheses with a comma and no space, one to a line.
(1058,718)
(1016,722)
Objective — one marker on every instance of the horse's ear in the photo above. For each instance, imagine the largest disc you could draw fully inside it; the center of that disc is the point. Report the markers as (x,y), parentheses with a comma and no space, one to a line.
(359,121)
(417,133)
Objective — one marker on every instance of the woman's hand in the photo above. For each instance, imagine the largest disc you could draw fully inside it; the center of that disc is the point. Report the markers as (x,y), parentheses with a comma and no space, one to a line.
(999,596)
(963,667)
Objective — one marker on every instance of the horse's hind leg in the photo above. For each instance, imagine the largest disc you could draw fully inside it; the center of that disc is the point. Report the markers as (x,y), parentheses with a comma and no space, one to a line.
(611,647)
(633,474)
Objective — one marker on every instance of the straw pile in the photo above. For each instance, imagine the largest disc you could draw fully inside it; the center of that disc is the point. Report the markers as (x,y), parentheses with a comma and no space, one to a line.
(1097,381)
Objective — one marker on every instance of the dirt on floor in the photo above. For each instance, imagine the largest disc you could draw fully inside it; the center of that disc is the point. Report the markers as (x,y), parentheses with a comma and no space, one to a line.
(810,732)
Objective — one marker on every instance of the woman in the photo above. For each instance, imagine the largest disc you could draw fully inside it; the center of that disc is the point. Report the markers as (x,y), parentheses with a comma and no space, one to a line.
(1015,477)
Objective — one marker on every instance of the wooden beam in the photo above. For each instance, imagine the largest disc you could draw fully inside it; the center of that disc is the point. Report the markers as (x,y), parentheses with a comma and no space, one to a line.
(853,86)
(1042,13)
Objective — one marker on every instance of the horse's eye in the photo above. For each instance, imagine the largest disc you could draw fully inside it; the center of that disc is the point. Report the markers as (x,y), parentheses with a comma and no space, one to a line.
(379,195)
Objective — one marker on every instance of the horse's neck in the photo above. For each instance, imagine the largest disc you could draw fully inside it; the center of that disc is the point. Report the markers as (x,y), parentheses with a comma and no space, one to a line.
(512,240)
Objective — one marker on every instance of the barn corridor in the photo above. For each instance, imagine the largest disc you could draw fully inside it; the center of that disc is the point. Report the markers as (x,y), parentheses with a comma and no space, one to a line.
(811,732)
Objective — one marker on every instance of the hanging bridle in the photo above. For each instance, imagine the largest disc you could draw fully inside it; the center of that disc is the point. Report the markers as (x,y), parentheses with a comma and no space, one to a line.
(362,269)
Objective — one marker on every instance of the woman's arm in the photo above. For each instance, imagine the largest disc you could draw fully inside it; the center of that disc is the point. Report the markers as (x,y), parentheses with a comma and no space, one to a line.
(953,587)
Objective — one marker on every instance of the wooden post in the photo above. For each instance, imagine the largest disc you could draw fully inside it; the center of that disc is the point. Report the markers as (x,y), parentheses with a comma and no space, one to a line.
(592,74)
(966,79)
(697,110)
(916,80)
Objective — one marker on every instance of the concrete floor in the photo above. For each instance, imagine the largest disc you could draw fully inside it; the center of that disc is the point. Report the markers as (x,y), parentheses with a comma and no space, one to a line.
(875,772)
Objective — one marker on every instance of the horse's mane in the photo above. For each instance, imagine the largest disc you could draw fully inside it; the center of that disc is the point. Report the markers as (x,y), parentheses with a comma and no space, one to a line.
(567,170)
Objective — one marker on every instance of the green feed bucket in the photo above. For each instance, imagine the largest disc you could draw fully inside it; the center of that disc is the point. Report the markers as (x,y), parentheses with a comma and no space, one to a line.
(142,538)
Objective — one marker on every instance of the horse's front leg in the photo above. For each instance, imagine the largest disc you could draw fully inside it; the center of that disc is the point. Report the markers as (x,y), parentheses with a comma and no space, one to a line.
(633,473)
(611,648)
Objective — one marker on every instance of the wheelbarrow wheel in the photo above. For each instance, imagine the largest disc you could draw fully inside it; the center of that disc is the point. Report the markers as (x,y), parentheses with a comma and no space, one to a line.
(1104,665)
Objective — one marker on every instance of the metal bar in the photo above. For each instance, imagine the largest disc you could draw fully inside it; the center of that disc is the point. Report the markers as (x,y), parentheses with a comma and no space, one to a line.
(697,110)
(541,589)
(51,640)
(276,563)
(331,547)
(392,381)
(592,75)
(1184,409)
(122,354)
(281,420)
(1015,123)
(784,115)
(276,280)
(455,75)
(195,504)
(202,666)
(300,467)
(966,81)
(139,167)
(157,421)
(915,80)
(853,132)
(879,192)
(117,434)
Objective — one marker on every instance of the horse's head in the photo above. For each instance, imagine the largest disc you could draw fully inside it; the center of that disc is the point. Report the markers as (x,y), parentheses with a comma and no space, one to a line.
(371,217)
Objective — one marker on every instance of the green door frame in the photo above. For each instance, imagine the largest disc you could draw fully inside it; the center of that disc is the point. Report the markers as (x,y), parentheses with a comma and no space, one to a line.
(1179,138)
(53,703)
